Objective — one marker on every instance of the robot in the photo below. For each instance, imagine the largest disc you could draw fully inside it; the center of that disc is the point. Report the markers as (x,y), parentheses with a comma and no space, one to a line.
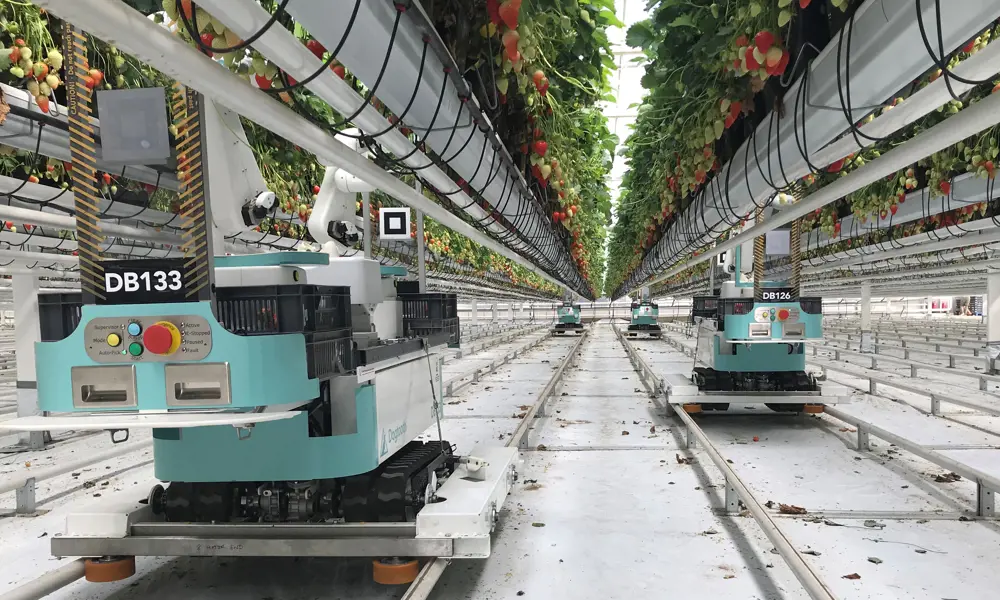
(645,314)
(292,395)
(751,341)
(568,318)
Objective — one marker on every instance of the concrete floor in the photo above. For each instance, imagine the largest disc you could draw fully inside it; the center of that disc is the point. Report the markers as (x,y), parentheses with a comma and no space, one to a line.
(604,510)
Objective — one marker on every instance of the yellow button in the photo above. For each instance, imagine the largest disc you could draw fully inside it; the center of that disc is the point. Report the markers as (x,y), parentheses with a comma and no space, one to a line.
(114,339)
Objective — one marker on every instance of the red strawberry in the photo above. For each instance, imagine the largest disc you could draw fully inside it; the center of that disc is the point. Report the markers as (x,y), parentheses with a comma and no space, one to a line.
(537,77)
(544,88)
(43,103)
(206,39)
(752,64)
(509,10)
(339,71)
(493,10)
(538,133)
(106,178)
(894,208)
(804,3)
(89,82)
(555,216)
(524,148)
(315,189)
(945,187)
(540,147)
(27,228)
(735,108)
(186,9)
(764,40)
(729,121)
(836,166)
(782,64)
(742,41)
(262,82)
(510,40)
(316,48)
(969,47)
(32,179)
(996,88)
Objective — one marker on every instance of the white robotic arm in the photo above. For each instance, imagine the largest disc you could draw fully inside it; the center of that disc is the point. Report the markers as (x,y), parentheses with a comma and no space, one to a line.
(333,222)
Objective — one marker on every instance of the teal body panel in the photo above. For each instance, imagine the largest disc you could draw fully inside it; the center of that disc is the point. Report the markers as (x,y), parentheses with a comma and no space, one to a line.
(264,369)
(569,314)
(759,358)
(393,271)
(273,259)
(738,326)
(645,319)
(275,451)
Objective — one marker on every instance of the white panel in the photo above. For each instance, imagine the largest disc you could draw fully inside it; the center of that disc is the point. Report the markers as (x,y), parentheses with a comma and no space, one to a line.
(404,403)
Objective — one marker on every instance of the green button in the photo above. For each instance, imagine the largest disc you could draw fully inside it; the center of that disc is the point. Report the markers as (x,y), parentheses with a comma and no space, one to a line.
(135,348)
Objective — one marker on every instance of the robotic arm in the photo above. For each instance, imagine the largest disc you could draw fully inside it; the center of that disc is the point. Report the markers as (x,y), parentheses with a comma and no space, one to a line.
(333,222)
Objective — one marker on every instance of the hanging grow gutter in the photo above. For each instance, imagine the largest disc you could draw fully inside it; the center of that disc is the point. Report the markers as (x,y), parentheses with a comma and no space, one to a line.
(887,55)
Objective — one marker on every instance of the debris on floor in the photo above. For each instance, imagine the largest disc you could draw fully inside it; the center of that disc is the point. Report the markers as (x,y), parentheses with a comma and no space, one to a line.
(875,560)
(684,460)
(874,524)
(851,576)
(947,477)
(791,509)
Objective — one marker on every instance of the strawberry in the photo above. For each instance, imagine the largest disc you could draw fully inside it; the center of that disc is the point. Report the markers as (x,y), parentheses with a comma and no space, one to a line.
(262,82)
(316,48)
(538,133)
(43,103)
(493,10)
(537,77)
(89,82)
(945,188)
(27,228)
(15,55)
(773,56)
(510,40)
(883,214)
(540,147)
(555,216)
(524,148)
(19,42)
(67,165)
(544,88)
(804,3)
(836,166)
(752,64)
(970,46)
(729,121)
(735,108)
(315,189)
(187,9)
(32,179)
(206,39)
(106,178)
(894,208)
(509,11)
(742,41)
(996,88)
(764,40)
(339,71)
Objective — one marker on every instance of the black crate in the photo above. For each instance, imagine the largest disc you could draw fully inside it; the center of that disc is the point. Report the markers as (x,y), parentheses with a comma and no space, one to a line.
(58,315)
(430,306)
(329,353)
(430,327)
(265,309)
(407,288)
(811,306)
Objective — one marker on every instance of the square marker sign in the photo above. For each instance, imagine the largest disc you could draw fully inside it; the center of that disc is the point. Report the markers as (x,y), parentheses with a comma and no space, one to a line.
(394,223)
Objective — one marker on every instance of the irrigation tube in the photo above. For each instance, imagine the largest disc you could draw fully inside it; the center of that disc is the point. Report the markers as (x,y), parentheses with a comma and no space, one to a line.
(114,21)
(973,119)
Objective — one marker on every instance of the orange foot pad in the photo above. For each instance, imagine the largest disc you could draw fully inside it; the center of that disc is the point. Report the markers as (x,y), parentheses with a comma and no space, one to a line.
(106,570)
(692,408)
(394,571)
(813,408)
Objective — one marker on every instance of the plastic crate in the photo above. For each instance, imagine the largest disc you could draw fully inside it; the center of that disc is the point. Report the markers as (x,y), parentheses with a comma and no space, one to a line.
(329,353)
(429,327)
(407,288)
(430,306)
(58,315)
(257,310)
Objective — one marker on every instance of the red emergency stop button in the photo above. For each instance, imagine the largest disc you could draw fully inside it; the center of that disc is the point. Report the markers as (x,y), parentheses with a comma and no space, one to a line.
(783,314)
(162,338)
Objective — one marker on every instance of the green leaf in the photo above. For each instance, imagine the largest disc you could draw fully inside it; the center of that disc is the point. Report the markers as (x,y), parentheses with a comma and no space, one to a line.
(684,20)
(640,35)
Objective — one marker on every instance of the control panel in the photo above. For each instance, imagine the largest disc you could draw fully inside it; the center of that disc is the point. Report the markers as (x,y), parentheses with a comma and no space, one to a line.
(775,314)
(148,339)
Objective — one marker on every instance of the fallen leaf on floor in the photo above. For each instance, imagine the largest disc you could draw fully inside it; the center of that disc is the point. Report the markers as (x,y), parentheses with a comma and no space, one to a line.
(851,576)
(538,524)
(947,477)
(920,551)
(456,402)
(520,592)
(525,407)
(832,523)
(875,560)
(683,460)
(811,552)
(624,433)
(541,447)
(873,524)
(791,509)
(44,533)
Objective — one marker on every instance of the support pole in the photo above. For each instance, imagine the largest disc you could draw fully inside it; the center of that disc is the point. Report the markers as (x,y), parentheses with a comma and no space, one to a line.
(26,333)
(711,281)
(474,318)
(421,245)
(494,312)
(367,231)
(866,317)
(992,312)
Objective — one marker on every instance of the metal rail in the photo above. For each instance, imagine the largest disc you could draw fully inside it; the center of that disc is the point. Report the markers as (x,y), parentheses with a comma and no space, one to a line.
(736,490)
(431,572)
(48,583)
(24,485)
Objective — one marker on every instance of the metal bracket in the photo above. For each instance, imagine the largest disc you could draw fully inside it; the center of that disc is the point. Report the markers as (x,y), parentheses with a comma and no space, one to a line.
(985,501)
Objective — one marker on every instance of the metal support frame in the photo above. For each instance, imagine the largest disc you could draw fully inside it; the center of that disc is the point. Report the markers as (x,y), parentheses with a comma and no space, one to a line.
(986,485)
(26,334)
